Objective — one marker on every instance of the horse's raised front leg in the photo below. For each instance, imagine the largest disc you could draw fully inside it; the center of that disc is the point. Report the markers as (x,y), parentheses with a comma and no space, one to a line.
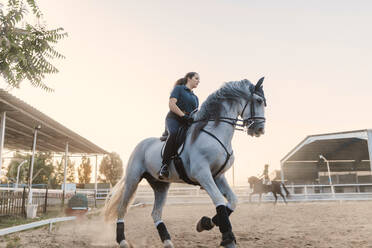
(206,223)
(160,193)
(206,181)
(276,198)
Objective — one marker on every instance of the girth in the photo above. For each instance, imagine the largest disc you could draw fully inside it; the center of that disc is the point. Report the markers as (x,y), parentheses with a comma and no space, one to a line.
(181,169)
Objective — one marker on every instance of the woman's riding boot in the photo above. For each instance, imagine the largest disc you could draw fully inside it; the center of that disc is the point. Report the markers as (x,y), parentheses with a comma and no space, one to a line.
(167,156)
(164,172)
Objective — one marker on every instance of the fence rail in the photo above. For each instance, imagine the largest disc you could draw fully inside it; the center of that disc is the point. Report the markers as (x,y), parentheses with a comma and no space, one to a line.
(12,201)
(13,229)
(313,189)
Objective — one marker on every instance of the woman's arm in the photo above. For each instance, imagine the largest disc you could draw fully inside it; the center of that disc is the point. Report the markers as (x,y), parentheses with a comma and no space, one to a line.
(174,108)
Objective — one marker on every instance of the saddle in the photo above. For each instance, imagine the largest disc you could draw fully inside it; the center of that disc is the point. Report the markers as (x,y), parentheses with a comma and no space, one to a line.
(180,142)
(177,160)
(180,139)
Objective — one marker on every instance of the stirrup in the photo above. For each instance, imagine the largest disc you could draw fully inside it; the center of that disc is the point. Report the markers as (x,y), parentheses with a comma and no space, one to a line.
(164,172)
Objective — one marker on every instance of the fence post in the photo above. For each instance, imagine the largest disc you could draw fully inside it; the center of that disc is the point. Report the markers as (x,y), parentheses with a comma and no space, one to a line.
(95,198)
(23,202)
(46,200)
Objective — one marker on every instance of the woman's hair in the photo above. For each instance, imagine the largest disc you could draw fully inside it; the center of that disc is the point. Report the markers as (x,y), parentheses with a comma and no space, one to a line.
(183,81)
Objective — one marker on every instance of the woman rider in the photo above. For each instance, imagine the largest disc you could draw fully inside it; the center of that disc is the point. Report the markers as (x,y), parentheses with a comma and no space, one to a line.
(265,175)
(182,102)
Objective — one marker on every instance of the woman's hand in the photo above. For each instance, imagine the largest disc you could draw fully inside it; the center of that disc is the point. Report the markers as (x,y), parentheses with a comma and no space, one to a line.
(187,119)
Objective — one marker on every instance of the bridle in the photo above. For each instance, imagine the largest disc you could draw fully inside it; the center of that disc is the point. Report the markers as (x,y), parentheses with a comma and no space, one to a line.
(244,124)
(248,122)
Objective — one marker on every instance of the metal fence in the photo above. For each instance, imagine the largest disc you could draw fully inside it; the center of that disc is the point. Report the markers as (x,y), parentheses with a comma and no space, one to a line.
(13,202)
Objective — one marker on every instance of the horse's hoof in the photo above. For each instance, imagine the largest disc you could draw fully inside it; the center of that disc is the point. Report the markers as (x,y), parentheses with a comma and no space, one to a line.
(125,244)
(205,223)
(168,244)
(228,240)
(231,245)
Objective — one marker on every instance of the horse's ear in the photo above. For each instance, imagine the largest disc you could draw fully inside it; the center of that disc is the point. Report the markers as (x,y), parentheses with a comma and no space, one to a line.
(259,83)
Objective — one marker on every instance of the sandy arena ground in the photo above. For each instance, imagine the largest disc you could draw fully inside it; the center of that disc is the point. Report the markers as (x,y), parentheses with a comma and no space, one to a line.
(320,224)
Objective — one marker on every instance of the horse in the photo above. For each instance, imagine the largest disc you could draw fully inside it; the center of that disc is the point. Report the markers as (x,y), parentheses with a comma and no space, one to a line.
(259,188)
(206,155)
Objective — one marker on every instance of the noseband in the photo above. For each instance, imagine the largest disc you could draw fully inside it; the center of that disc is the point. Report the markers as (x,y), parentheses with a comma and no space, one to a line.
(247,122)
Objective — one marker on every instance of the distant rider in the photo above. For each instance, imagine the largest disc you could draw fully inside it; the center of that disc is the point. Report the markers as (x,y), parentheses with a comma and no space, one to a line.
(265,175)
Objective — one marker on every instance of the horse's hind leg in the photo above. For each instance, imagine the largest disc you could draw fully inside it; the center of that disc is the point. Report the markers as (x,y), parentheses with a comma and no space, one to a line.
(132,179)
(283,197)
(160,193)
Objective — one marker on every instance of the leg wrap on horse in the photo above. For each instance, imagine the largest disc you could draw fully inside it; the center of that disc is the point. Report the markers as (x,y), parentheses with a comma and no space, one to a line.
(214,219)
(224,225)
(223,219)
(163,232)
(120,236)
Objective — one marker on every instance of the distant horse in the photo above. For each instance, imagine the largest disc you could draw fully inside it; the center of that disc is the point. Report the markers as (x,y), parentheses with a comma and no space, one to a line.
(259,188)
(207,155)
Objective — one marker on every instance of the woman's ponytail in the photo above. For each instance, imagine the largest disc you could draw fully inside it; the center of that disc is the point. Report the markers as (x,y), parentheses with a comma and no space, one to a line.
(183,81)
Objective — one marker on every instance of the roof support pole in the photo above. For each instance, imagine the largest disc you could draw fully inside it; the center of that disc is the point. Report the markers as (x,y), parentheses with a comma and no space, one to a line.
(95,174)
(30,174)
(2,136)
(370,147)
(282,172)
(95,182)
(64,175)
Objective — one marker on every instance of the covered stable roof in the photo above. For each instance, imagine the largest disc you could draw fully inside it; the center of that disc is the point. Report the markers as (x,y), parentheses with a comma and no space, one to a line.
(342,146)
(21,120)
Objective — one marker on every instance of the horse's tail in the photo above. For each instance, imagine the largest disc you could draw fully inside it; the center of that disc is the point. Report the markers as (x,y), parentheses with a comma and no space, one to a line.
(113,199)
(285,189)
(121,196)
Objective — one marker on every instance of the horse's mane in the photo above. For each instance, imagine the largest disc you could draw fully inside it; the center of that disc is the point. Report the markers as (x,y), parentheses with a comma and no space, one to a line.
(212,108)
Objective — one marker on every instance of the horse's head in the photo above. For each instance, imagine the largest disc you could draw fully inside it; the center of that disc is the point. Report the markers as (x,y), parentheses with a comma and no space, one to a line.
(253,112)
(252,180)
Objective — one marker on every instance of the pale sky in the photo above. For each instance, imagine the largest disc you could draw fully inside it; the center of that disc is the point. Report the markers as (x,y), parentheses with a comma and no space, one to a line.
(124,56)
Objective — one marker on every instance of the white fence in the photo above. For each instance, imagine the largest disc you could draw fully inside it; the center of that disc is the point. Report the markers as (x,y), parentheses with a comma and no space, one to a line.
(193,194)
(13,229)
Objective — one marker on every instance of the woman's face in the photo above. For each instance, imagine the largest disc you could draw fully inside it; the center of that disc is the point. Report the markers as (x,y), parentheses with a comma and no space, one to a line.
(194,81)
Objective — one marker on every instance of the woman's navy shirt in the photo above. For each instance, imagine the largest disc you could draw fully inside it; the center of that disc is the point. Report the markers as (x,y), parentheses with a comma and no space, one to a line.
(187,101)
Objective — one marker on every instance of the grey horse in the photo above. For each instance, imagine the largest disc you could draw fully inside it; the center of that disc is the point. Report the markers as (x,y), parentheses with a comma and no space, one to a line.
(207,155)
